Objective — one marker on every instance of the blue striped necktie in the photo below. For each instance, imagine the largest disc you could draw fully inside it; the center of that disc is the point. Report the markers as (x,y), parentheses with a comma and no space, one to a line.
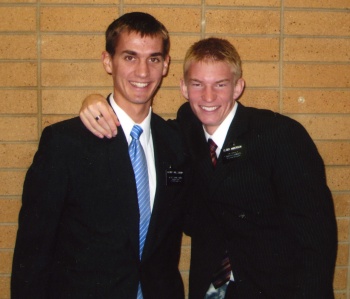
(139,164)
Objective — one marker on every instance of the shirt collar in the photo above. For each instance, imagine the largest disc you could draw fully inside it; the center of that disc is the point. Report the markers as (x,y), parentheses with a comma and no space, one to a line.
(127,123)
(219,135)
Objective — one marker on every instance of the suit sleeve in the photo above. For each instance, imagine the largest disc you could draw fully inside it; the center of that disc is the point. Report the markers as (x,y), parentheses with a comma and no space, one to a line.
(42,202)
(307,203)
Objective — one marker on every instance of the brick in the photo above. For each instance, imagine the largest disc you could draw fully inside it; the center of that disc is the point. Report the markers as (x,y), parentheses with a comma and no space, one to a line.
(340,295)
(330,127)
(5,287)
(69,101)
(82,19)
(18,101)
(6,262)
(338,178)
(16,155)
(50,120)
(9,210)
(261,98)
(340,278)
(316,101)
(8,236)
(256,48)
(245,21)
(268,3)
(342,255)
(168,101)
(72,46)
(343,229)
(316,75)
(334,152)
(185,277)
(180,45)
(18,46)
(74,74)
(175,19)
(93,2)
(26,22)
(185,258)
(162,2)
(341,204)
(316,49)
(317,23)
(11,184)
(186,240)
(317,4)
(18,129)
(254,74)
(18,74)
(174,75)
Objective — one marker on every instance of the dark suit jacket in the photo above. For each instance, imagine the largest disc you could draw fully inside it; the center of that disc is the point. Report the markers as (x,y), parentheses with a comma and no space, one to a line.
(267,204)
(78,225)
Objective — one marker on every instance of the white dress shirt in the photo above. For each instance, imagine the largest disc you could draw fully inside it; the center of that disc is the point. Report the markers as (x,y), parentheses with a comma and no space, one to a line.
(146,141)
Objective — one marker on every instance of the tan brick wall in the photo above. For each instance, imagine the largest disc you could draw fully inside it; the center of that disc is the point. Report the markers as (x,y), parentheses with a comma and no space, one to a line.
(295,60)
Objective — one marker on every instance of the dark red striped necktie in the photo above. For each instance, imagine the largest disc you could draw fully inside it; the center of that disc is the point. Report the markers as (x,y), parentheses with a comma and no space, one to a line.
(212,149)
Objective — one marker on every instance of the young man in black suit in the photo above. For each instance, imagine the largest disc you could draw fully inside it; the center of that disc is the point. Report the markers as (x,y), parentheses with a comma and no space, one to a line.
(78,234)
(259,200)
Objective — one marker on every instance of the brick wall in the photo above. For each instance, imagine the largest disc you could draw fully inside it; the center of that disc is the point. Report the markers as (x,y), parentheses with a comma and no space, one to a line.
(295,61)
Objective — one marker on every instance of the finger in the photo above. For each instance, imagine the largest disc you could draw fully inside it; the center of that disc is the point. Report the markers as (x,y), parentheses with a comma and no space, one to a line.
(93,119)
(87,123)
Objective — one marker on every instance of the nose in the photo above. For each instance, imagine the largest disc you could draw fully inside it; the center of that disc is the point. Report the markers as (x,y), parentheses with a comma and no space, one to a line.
(209,94)
(142,69)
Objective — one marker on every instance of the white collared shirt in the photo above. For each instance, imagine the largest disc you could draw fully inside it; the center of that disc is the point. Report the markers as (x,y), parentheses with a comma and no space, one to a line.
(220,134)
(145,139)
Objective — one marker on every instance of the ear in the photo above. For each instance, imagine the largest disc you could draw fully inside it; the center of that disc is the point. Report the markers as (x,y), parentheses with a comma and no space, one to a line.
(184,89)
(239,87)
(166,65)
(107,62)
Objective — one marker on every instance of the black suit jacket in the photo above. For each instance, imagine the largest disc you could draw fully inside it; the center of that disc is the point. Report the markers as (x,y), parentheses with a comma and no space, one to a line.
(267,204)
(78,225)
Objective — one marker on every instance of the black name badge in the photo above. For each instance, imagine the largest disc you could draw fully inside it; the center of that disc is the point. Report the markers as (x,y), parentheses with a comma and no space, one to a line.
(174,177)
(233,152)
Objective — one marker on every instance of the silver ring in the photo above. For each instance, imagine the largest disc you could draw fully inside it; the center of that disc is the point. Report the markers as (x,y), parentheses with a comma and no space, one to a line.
(98,117)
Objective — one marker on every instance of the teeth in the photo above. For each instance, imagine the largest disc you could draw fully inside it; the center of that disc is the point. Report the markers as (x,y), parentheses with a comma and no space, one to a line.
(209,108)
(139,84)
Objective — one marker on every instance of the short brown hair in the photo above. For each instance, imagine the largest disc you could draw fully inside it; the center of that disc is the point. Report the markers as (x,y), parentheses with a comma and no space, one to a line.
(139,22)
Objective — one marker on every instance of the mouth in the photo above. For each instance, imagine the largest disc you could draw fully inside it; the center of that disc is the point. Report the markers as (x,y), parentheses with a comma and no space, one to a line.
(209,108)
(139,84)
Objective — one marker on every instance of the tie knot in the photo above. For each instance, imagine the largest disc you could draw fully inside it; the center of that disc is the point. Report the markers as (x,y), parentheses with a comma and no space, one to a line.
(212,145)
(136,132)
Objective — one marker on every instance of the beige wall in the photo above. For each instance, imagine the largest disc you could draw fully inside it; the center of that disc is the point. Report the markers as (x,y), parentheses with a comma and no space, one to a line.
(296,56)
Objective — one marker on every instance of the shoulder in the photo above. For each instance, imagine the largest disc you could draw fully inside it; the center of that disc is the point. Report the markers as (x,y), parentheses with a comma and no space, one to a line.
(263,119)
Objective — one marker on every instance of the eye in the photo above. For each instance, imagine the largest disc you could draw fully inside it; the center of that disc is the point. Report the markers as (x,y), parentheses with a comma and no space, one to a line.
(155,59)
(129,58)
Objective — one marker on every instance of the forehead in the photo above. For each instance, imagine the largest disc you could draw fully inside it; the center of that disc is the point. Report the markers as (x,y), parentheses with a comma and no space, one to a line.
(133,41)
(209,70)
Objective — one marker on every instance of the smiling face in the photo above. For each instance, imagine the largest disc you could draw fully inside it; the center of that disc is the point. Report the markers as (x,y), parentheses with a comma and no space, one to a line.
(211,88)
(137,68)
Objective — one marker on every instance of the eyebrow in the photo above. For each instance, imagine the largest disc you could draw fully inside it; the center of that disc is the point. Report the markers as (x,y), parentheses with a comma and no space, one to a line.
(220,81)
(135,53)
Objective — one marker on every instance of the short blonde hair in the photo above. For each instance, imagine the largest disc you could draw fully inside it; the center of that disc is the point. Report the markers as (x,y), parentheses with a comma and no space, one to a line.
(214,49)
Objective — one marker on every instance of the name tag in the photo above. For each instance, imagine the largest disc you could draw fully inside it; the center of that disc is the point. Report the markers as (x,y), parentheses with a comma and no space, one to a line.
(233,152)
(174,177)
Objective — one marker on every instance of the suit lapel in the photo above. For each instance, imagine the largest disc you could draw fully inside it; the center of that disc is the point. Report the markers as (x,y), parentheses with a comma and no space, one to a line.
(125,185)
(238,127)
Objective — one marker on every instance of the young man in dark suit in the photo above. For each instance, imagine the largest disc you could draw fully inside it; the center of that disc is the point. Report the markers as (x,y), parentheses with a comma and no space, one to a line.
(259,201)
(78,234)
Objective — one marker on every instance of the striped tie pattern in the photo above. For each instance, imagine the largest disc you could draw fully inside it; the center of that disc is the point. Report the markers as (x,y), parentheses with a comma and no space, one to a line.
(212,149)
(139,164)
